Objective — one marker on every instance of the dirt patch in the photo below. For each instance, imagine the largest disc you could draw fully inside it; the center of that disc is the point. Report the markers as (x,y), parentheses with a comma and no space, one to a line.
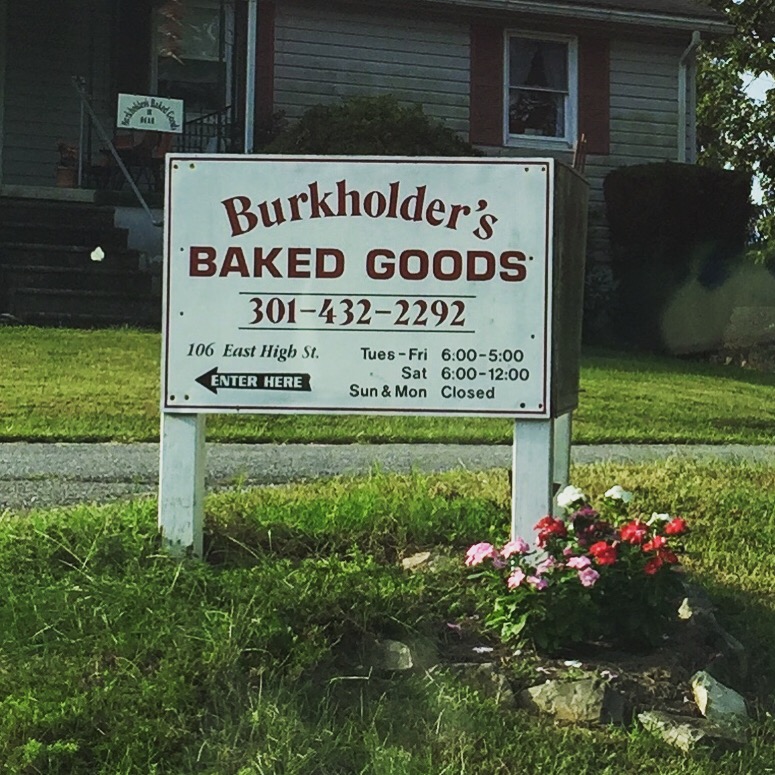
(656,679)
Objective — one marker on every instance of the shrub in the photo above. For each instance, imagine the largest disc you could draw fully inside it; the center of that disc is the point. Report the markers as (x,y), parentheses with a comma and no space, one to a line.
(672,225)
(369,125)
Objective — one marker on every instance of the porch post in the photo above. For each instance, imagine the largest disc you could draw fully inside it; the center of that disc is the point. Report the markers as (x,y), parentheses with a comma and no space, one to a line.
(250,75)
(3,49)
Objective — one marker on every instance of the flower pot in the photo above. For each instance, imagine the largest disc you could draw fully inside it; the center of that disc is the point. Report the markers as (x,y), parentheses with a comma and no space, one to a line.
(66,177)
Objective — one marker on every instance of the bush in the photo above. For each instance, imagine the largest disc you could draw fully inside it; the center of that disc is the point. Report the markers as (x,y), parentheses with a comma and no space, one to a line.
(370,125)
(675,228)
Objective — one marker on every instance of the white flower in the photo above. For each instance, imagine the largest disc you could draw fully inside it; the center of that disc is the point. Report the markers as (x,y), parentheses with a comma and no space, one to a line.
(617,492)
(569,496)
(658,518)
(97,254)
(482,649)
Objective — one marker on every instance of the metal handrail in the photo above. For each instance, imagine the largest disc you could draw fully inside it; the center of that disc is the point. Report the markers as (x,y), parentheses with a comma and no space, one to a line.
(222,121)
(79,83)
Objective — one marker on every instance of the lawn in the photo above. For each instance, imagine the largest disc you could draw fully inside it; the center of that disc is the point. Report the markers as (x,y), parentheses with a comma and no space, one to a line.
(66,385)
(115,658)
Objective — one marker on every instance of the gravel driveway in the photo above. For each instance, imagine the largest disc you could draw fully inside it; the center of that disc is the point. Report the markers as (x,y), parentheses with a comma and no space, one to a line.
(42,475)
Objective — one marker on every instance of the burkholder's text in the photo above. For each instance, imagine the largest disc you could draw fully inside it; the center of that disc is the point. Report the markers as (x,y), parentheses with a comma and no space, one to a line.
(344,201)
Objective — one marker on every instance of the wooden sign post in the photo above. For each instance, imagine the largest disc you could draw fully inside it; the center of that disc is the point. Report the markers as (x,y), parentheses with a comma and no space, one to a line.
(370,285)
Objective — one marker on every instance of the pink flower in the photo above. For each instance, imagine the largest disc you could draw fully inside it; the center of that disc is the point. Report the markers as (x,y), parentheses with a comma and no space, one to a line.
(588,577)
(579,563)
(516,578)
(545,565)
(537,583)
(517,546)
(478,553)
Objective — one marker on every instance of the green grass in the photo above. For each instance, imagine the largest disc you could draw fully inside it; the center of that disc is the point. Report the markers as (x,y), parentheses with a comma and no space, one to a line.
(65,385)
(117,659)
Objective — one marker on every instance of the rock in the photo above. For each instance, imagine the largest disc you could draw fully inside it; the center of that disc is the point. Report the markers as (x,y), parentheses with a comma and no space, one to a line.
(694,605)
(416,561)
(730,664)
(717,702)
(483,677)
(689,733)
(392,655)
(587,700)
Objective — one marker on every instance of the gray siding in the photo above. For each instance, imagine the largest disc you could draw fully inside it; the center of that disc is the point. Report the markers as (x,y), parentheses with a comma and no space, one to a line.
(323,54)
(47,43)
(644,120)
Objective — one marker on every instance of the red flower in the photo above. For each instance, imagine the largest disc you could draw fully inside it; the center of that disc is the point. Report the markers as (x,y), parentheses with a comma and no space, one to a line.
(604,553)
(656,543)
(653,565)
(549,527)
(668,556)
(675,527)
(634,532)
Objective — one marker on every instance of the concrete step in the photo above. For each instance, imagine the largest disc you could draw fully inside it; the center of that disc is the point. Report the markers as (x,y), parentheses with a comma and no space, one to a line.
(58,213)
(43,232)
(83,308)
(44,254)
(94,278)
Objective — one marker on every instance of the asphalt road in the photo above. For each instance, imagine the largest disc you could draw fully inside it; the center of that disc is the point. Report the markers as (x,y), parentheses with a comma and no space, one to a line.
(43,475)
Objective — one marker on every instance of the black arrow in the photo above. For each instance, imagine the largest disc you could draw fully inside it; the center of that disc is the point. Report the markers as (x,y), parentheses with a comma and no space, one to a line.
(283,380)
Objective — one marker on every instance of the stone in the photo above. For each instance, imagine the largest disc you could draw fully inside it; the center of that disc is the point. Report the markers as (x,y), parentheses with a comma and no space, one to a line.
(392,655)
(716,702)
(483,677)
(694,606)
(689,733)
(585,700)
(416,561)
(730,665)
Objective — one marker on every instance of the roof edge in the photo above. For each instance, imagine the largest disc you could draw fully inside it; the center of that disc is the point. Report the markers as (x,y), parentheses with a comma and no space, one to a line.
(646,19)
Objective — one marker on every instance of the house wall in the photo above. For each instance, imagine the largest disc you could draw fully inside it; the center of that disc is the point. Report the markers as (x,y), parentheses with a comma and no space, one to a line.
(324,53)
(331,52)
(43,52)
(3,48)
(644,120)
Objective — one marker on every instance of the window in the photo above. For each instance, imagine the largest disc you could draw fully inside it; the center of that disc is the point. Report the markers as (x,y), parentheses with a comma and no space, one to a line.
(541,88)
(192,53)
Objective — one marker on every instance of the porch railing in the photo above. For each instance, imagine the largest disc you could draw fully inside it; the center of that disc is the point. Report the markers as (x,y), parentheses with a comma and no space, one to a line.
(214,132)
(86,105)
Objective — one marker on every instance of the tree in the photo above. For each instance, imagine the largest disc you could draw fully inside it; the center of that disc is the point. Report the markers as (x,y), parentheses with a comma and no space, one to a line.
(734,129)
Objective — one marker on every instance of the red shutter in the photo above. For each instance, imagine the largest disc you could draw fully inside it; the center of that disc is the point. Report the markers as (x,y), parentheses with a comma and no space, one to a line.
(594,94)
(486,98)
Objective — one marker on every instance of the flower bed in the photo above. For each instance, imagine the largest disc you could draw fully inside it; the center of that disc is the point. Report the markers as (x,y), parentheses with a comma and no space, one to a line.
(598,573)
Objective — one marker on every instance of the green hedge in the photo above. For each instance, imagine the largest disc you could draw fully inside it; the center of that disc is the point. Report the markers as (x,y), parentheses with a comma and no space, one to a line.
(676,232)
(369,125)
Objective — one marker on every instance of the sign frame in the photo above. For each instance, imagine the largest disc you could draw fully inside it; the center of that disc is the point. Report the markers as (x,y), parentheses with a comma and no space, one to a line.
(541,443)
(513,297)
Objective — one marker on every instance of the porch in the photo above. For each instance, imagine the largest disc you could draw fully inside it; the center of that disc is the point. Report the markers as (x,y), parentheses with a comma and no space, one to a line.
(188,50)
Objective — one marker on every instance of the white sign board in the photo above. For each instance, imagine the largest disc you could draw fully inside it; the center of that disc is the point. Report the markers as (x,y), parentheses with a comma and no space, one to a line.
(358,284)
(152,114)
